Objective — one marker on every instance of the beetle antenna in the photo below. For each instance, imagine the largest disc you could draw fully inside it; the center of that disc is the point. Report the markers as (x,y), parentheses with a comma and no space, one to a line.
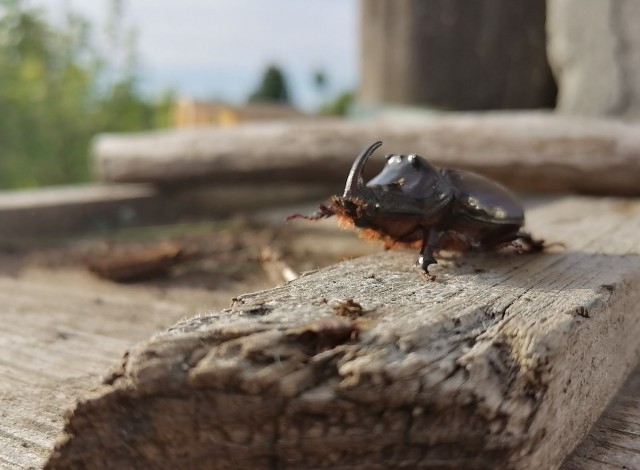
(354,180)
(323,213)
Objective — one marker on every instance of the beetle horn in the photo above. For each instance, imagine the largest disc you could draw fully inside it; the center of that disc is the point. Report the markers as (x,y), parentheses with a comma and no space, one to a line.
(354,180)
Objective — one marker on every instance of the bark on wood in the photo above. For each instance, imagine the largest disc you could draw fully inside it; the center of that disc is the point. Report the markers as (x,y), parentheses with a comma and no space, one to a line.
(503,362)
(455,54)
(540,152)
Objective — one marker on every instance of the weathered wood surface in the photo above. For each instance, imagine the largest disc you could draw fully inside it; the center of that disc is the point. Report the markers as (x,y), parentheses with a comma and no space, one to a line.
(61,329)
(63,210)
(504,362)
(614,441)
(526,151)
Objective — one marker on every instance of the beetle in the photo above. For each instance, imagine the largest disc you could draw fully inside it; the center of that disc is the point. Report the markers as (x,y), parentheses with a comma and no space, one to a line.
(411,203)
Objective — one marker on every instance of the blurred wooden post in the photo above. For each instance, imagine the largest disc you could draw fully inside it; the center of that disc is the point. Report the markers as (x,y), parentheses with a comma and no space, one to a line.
(455,54)
(594,50)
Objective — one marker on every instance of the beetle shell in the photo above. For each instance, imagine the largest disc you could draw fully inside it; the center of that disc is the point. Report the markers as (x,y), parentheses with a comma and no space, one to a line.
(485,212)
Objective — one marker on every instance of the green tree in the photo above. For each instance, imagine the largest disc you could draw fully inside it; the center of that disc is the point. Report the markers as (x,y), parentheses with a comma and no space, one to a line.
(273,87)
(339,106)
(320,80)
(57,90)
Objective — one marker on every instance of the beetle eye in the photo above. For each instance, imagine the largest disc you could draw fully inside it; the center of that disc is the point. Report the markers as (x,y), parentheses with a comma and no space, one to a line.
(392,158)
(388,156)
(413,160)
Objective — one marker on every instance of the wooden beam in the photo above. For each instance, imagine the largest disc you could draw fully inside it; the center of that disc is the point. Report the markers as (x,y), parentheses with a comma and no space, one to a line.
(57,332)
(526,151)
(102,208)
(614,441)
(504,362)
(64,209)
(62,328)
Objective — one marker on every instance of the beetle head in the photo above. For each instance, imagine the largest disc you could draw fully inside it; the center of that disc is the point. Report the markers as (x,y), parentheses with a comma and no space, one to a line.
(406,185)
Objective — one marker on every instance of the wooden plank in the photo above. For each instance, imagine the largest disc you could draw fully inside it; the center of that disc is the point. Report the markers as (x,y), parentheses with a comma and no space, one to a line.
(61,329)
(504,362)
(62,210)
(614,441)
(526,151)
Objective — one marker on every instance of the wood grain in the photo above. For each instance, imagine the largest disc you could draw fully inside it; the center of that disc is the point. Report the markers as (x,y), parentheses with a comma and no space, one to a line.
(614,441)
(61,330)
(87,208)
(504,362)
(526,151)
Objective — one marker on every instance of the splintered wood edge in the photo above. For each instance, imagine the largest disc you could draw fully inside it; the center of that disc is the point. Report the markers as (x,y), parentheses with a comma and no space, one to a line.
(504,362)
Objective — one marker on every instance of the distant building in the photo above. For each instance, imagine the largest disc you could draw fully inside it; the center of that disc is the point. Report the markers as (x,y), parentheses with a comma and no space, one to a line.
(189,112)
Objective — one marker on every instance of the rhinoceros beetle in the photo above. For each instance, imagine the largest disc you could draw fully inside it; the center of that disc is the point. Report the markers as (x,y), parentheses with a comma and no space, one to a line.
(412,203)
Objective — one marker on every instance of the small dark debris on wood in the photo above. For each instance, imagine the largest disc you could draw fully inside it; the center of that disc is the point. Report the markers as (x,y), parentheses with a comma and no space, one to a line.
(141,263)
(256,310)
(582,311)
(348,308)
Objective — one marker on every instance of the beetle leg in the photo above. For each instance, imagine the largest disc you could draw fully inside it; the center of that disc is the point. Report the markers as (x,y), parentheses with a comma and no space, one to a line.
(532,245)
(430,239)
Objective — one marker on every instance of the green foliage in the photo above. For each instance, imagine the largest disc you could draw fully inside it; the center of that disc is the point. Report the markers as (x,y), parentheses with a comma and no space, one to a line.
(339,106)
(320,80)
(273,87)
(57,90)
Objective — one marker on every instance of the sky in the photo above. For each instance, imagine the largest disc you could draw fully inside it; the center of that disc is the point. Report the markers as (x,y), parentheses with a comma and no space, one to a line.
(218,49)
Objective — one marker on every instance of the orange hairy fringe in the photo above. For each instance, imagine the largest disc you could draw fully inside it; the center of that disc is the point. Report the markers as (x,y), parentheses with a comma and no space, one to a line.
(346,222)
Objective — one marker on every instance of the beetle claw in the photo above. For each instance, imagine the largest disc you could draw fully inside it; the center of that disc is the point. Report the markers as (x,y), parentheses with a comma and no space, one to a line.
(424,262)
(531,245)
(428,277)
